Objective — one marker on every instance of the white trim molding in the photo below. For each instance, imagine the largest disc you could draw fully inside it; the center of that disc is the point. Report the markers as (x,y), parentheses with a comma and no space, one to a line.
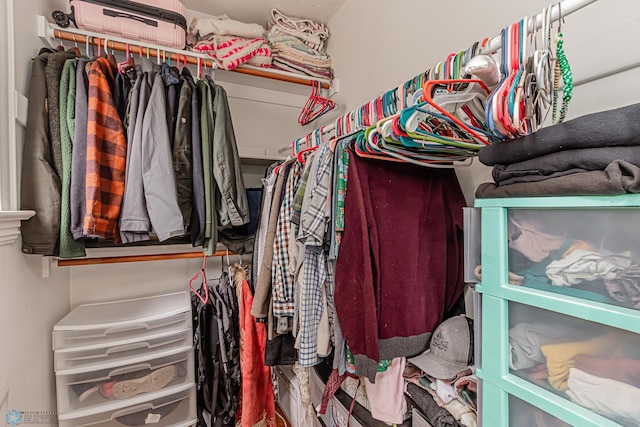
(8,107)
(10,217)
(10,225)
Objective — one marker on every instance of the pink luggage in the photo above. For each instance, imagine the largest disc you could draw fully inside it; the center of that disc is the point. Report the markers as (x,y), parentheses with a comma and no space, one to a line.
(161,22)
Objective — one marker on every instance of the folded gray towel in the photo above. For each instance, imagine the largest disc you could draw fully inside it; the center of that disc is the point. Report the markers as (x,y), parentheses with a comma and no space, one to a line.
(613,128)
(619,177)
(564,163)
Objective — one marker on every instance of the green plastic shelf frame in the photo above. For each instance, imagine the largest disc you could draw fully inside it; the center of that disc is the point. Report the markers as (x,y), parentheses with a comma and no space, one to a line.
(497,382)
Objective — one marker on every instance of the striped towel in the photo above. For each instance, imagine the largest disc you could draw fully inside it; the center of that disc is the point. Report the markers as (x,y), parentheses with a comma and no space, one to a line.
(291,41)
(106,154)
(295,67)
(230,52)
(313,34)
(293,54)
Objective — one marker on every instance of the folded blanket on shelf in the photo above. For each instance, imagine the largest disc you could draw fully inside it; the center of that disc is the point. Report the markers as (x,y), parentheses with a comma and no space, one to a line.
(613,128)
(293,54)
(223,26)
(312,33)
(295,67)
(562,163)
(230,52)
(291,41)
(619,177)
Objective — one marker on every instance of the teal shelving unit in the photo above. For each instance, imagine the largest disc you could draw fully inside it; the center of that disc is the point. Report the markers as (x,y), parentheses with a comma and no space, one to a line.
(505,393)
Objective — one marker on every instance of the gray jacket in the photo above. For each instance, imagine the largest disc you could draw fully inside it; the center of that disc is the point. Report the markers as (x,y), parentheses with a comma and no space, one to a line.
(79,153)
(198,214)
(135,224)
(150,201)
(157,167)
(40,185)
(233,208)
(182,157)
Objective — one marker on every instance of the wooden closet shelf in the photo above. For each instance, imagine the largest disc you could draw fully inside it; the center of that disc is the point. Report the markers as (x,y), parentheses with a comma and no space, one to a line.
(49,31)
(137,258)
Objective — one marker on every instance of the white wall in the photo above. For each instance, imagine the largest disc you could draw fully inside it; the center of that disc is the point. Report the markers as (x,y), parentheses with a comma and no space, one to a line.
(30,305)
(121,281)
(376,46)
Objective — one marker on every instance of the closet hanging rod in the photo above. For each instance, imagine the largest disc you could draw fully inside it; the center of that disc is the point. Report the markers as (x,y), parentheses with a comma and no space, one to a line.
(74,35)
(137,258)
(566,7)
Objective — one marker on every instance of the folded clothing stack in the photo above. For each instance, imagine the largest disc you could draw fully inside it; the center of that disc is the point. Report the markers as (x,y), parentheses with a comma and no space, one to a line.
(230,43)
(298,46)
(594,154)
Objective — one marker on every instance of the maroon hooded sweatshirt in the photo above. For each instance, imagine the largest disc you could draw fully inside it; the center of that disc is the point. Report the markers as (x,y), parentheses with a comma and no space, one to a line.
(400,267)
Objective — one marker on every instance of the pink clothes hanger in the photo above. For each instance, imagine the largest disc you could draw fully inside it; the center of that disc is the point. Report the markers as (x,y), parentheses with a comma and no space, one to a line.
(202,272)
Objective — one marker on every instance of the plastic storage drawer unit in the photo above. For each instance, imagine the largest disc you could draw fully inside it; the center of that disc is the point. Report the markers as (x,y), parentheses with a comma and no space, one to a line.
(523,414)
(560,311)
(590,364)
(92,356)
(174,407)
(102,324)
(593,255)
(288,394)
(83,389)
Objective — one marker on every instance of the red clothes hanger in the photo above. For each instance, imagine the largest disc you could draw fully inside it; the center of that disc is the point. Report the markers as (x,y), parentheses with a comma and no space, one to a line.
(202,272)
(316,105)
(317,137)
(426,95)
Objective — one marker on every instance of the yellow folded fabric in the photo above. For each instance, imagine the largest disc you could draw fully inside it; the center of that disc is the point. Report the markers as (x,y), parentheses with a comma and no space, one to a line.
(560,357)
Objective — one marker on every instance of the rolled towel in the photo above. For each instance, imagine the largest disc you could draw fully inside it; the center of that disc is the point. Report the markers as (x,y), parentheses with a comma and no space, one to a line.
(223,26)
(613,128)
(230,52)
(312,33)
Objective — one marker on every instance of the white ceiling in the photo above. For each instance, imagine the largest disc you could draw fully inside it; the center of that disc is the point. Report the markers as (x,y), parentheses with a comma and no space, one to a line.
(259,11)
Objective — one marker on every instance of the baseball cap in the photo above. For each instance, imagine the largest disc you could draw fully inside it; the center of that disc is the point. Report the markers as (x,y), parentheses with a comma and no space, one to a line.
(450,349)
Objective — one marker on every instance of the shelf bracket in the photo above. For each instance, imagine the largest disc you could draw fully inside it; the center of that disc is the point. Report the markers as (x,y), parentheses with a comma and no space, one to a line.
(46,267)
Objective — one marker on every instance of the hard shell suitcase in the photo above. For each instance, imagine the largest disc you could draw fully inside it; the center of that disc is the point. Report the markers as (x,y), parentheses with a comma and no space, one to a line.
(161,22)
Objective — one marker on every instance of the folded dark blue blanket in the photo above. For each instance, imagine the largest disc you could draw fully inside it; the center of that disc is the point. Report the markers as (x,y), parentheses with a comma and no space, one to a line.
(612,128)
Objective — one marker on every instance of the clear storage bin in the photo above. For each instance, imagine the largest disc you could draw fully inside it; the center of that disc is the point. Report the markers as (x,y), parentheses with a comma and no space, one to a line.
(175,407)
(103,324)
(589,364)
(76,359)
(289,394)
(119,380)
(591,254)
(522,414)
(317,389)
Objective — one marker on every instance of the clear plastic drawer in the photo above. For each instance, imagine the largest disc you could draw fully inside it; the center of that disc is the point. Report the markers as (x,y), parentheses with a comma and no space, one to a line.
(175,407)
(288,394)
(124,379)
(103,324)
(591,365)
(592,254)
(522,414)
(78,359)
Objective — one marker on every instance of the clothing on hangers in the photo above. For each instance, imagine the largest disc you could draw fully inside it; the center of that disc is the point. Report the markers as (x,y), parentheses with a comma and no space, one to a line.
(128,127)
(375,240)
(69,248)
